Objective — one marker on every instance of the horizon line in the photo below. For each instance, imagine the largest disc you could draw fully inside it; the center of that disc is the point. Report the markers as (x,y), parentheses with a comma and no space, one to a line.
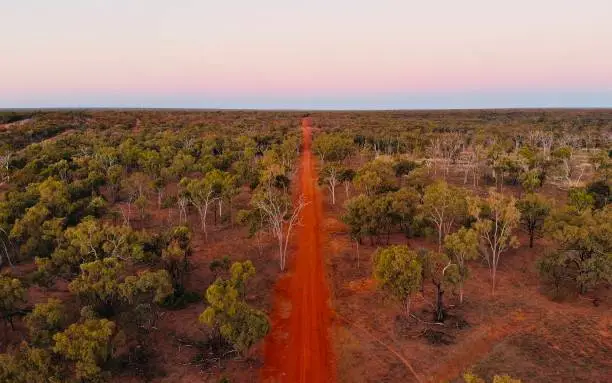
(203,109)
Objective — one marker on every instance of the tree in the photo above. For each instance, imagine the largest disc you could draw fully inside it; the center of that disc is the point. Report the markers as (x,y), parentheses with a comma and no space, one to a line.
(254,220)
(332,147)
(240,273)
(11,295)
(383,215)
(88,344)
(137,188)
(99,283)
(600,190)
(28,232)
(468,377)
(5,165)
(406,202)
(235,320)
(148,286)
(443,205)
(92,240)
(29,365)
(114,175)
(357,217)
(533,209)
(443,274)
(346,177)
(496,217)
(531,180)
(403,168)
(462,246)
(280,215)
(330,176)
(202,193)
(45,320)
(583,246)
(571,171)
(580,199)
(398,271)
(176,254)
(376,177)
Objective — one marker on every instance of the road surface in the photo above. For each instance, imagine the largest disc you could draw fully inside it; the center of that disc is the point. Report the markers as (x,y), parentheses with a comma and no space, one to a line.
(298,350)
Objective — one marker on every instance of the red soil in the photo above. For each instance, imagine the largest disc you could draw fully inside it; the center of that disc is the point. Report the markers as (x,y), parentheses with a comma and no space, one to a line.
(299,347)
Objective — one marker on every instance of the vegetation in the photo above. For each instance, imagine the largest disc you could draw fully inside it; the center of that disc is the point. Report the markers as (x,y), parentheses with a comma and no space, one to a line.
(496,218)
(398,270)
(137,212)
(229,314)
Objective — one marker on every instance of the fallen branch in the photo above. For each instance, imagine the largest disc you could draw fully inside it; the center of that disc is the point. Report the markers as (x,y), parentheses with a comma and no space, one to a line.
(396,353)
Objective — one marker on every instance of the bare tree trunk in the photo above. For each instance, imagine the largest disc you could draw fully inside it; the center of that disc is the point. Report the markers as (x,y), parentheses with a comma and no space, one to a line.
(408,302)
(357,244)
(439,304)
(281,252)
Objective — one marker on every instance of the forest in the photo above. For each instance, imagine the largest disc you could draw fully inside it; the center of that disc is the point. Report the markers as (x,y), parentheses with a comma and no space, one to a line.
(149,245)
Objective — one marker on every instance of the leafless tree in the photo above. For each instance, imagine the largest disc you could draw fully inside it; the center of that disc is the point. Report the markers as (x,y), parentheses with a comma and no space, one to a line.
(182,202)
(450,147)
(433,152)
(5,161)
(4,248)
(281,216)
(330,175)
(546,140)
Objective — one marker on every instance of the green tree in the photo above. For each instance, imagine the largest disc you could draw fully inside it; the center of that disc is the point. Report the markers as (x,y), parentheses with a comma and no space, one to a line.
(443,274)
(600,190)
(45,320)
(89,345)
(468,377)
(332,147)
(36,231)
(114,176)
(376,177)
(148,286)
(235,320)
(383,215)
(406,202)
(496,217)
(29,365)
(580,199)
(531,180)
(444,205)
(240,273)
(398,271)
(462,246)
(92,240)
(100,283)
(174,257)
(583,246)
(534,209)
(346,177)
(403,167)
(356,216)
(12,294)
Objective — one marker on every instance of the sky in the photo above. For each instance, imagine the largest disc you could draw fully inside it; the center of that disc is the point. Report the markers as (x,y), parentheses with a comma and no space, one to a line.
(315,54)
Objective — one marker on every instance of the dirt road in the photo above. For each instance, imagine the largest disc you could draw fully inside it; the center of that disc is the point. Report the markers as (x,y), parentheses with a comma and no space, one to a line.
(298,350)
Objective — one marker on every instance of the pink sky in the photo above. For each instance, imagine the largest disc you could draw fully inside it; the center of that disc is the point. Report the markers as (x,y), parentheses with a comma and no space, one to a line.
(68,51)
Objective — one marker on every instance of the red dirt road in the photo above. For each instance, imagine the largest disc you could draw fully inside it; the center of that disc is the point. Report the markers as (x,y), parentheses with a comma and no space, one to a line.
(298,350)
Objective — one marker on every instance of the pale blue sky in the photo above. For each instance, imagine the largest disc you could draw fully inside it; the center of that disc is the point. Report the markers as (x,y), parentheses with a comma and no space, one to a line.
(306,54)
